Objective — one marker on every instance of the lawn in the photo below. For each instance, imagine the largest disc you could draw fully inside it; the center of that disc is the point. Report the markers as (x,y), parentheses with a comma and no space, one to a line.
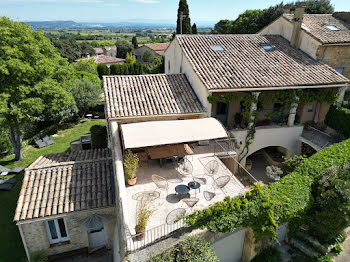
(11,248)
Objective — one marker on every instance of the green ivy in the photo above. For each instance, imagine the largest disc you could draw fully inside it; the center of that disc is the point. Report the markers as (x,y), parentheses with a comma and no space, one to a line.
(265,207)
(338,118)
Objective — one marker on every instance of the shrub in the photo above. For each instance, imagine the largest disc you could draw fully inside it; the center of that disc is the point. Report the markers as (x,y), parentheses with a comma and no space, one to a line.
(293,162)
(269,254)
(102,70)
(98,136)
(273,171)
(192,249)
(338,118)
(39,257)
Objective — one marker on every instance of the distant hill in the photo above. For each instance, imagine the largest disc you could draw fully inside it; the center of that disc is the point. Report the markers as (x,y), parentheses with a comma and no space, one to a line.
(54,24)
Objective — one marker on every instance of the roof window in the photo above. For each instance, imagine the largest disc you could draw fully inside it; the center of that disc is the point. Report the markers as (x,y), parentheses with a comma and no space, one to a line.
(332,27)
(267,47)
(217,47)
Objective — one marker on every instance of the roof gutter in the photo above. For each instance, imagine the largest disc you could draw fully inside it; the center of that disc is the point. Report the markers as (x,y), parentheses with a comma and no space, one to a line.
(344,44)
(275,88)
(155,116)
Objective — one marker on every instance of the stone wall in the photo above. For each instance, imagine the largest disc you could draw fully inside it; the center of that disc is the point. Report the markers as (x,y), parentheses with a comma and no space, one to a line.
(36,237)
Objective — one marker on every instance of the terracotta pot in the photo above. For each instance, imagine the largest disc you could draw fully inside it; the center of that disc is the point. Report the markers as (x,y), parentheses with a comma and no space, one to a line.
(132,181)
(140,235)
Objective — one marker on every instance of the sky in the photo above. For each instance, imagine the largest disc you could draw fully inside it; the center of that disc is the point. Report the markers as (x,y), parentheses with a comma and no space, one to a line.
(126,10)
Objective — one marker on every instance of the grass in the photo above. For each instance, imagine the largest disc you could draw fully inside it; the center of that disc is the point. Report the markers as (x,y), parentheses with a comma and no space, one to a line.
(11,247)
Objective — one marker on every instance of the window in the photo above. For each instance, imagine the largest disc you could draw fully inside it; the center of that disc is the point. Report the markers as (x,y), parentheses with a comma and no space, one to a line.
(169,66)
(339,70)
(310,108)
(260,106)
(217,47)
(332,27)
(267,47)
(57,231)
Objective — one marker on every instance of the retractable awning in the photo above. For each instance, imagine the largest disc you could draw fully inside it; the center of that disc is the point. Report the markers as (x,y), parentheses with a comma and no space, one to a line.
(156,133)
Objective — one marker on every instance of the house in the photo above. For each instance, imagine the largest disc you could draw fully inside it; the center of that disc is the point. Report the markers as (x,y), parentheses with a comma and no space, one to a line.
(67,203)
(106,50)
(156,49)
(105,60)
(324,37)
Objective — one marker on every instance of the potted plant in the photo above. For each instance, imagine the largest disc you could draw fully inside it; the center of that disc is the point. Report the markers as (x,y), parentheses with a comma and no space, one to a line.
(274,172)
(308,125)
(131,164)
(143,215)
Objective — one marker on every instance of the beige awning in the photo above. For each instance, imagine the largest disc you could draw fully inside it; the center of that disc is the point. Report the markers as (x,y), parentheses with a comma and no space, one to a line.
(155,133)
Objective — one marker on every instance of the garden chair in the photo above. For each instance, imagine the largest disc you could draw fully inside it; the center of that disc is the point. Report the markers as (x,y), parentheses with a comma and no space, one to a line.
(40,143)
(185,167)
(160,182)
(211,168)
(48,140)
(208,195)
(190,202)
(221,182)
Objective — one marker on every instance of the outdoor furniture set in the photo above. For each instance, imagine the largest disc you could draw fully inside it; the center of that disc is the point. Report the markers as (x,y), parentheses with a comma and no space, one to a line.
(7,183)
(44,141)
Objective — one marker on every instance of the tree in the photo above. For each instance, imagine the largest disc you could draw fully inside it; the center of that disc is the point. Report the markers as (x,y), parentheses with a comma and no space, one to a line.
(86,94)
(148,57)
(33,78)
(86,49)
(223,27)
(102,70)
(123,47)
(73,50)
(330,213)
(247,23)
(134,42)
(194,29)
(86,65)
(130,58)
(186,22)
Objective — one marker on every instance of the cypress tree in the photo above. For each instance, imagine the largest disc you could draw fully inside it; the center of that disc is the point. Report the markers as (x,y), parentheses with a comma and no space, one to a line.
(194,29)
(186,22)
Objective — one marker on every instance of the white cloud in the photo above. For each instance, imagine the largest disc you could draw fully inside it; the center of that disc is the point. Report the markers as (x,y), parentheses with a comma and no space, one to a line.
(147,1)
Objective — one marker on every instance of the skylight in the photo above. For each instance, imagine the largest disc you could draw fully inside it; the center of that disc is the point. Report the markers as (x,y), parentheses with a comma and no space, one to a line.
(217,47)
(332,27)
(267,47)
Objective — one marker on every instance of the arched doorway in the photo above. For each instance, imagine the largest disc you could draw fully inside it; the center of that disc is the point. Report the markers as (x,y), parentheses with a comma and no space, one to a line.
(268,156)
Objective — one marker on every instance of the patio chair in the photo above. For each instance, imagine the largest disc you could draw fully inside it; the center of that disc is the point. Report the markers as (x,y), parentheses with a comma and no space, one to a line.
(221,182)
(185,167)
(48,140)
(190,202)
(4,169)
(40,143)
(174,215)
(208,195)
(160,182)
(211,168)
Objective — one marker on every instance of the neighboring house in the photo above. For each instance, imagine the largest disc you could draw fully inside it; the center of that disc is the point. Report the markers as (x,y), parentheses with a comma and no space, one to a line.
(67,203)
(239,65)
(324,37)
(105,60)
(156,49)
(107,51)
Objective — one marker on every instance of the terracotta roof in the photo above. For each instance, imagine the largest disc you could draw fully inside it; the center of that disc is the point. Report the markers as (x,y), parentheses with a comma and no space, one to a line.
(98,50)
(52,186)
(315,25)
(159,48)
(244,63)
(149,95)
(102,59)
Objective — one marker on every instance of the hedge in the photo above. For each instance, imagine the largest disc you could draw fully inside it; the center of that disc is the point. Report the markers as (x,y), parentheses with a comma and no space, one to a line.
(338,118)
(98,136)
(192,249)
(265,207)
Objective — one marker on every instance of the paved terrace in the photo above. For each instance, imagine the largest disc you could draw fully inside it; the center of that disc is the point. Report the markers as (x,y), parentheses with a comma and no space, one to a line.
(168,201)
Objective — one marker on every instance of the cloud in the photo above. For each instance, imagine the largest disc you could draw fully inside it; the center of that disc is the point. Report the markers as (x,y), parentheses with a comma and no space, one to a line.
(147,1)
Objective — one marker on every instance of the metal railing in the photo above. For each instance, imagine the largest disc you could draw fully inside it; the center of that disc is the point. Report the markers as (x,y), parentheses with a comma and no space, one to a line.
(138,241)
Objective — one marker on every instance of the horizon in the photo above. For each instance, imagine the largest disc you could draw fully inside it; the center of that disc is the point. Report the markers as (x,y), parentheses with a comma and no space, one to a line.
(116,11)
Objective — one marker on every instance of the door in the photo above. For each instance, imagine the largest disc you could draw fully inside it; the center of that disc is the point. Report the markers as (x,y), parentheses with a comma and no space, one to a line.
(230,248)
(97,238)
(222,112)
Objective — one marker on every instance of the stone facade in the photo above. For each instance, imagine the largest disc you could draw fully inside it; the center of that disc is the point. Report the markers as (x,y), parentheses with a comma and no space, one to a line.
(36,236)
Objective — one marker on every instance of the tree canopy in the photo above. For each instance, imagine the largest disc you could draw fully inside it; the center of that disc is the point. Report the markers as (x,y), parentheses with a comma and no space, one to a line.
(252,21)
(148,57)
(134,41)
(194,29)
(34,78)
(73,50)
(123,47)
(186,22)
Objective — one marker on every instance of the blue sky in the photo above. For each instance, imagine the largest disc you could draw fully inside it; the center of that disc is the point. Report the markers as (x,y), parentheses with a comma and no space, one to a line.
(121,10)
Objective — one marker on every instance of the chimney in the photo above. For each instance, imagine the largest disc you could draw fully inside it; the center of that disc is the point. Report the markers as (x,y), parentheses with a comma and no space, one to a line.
(286,9)
(297,21)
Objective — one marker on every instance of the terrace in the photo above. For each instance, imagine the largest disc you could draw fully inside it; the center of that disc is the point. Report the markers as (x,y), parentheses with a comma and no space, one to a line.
(167,205)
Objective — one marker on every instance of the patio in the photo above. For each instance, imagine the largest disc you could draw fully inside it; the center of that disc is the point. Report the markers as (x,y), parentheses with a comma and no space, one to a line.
(168,201)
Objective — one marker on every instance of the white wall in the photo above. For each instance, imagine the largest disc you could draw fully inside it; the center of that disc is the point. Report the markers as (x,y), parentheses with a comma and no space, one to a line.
(179,64)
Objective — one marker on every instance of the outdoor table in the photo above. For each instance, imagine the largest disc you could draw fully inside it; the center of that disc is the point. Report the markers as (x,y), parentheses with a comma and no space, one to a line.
(182,189)
(146,196)
(194,185)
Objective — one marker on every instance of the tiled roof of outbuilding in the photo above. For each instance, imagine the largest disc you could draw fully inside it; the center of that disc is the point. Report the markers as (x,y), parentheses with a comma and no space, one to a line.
(244,63)
(149,95)
(63,183)
(315,25)
(159,48)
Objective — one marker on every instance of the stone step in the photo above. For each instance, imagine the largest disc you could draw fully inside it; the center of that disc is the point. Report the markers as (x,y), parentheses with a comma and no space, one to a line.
(303,247)
(303,236)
